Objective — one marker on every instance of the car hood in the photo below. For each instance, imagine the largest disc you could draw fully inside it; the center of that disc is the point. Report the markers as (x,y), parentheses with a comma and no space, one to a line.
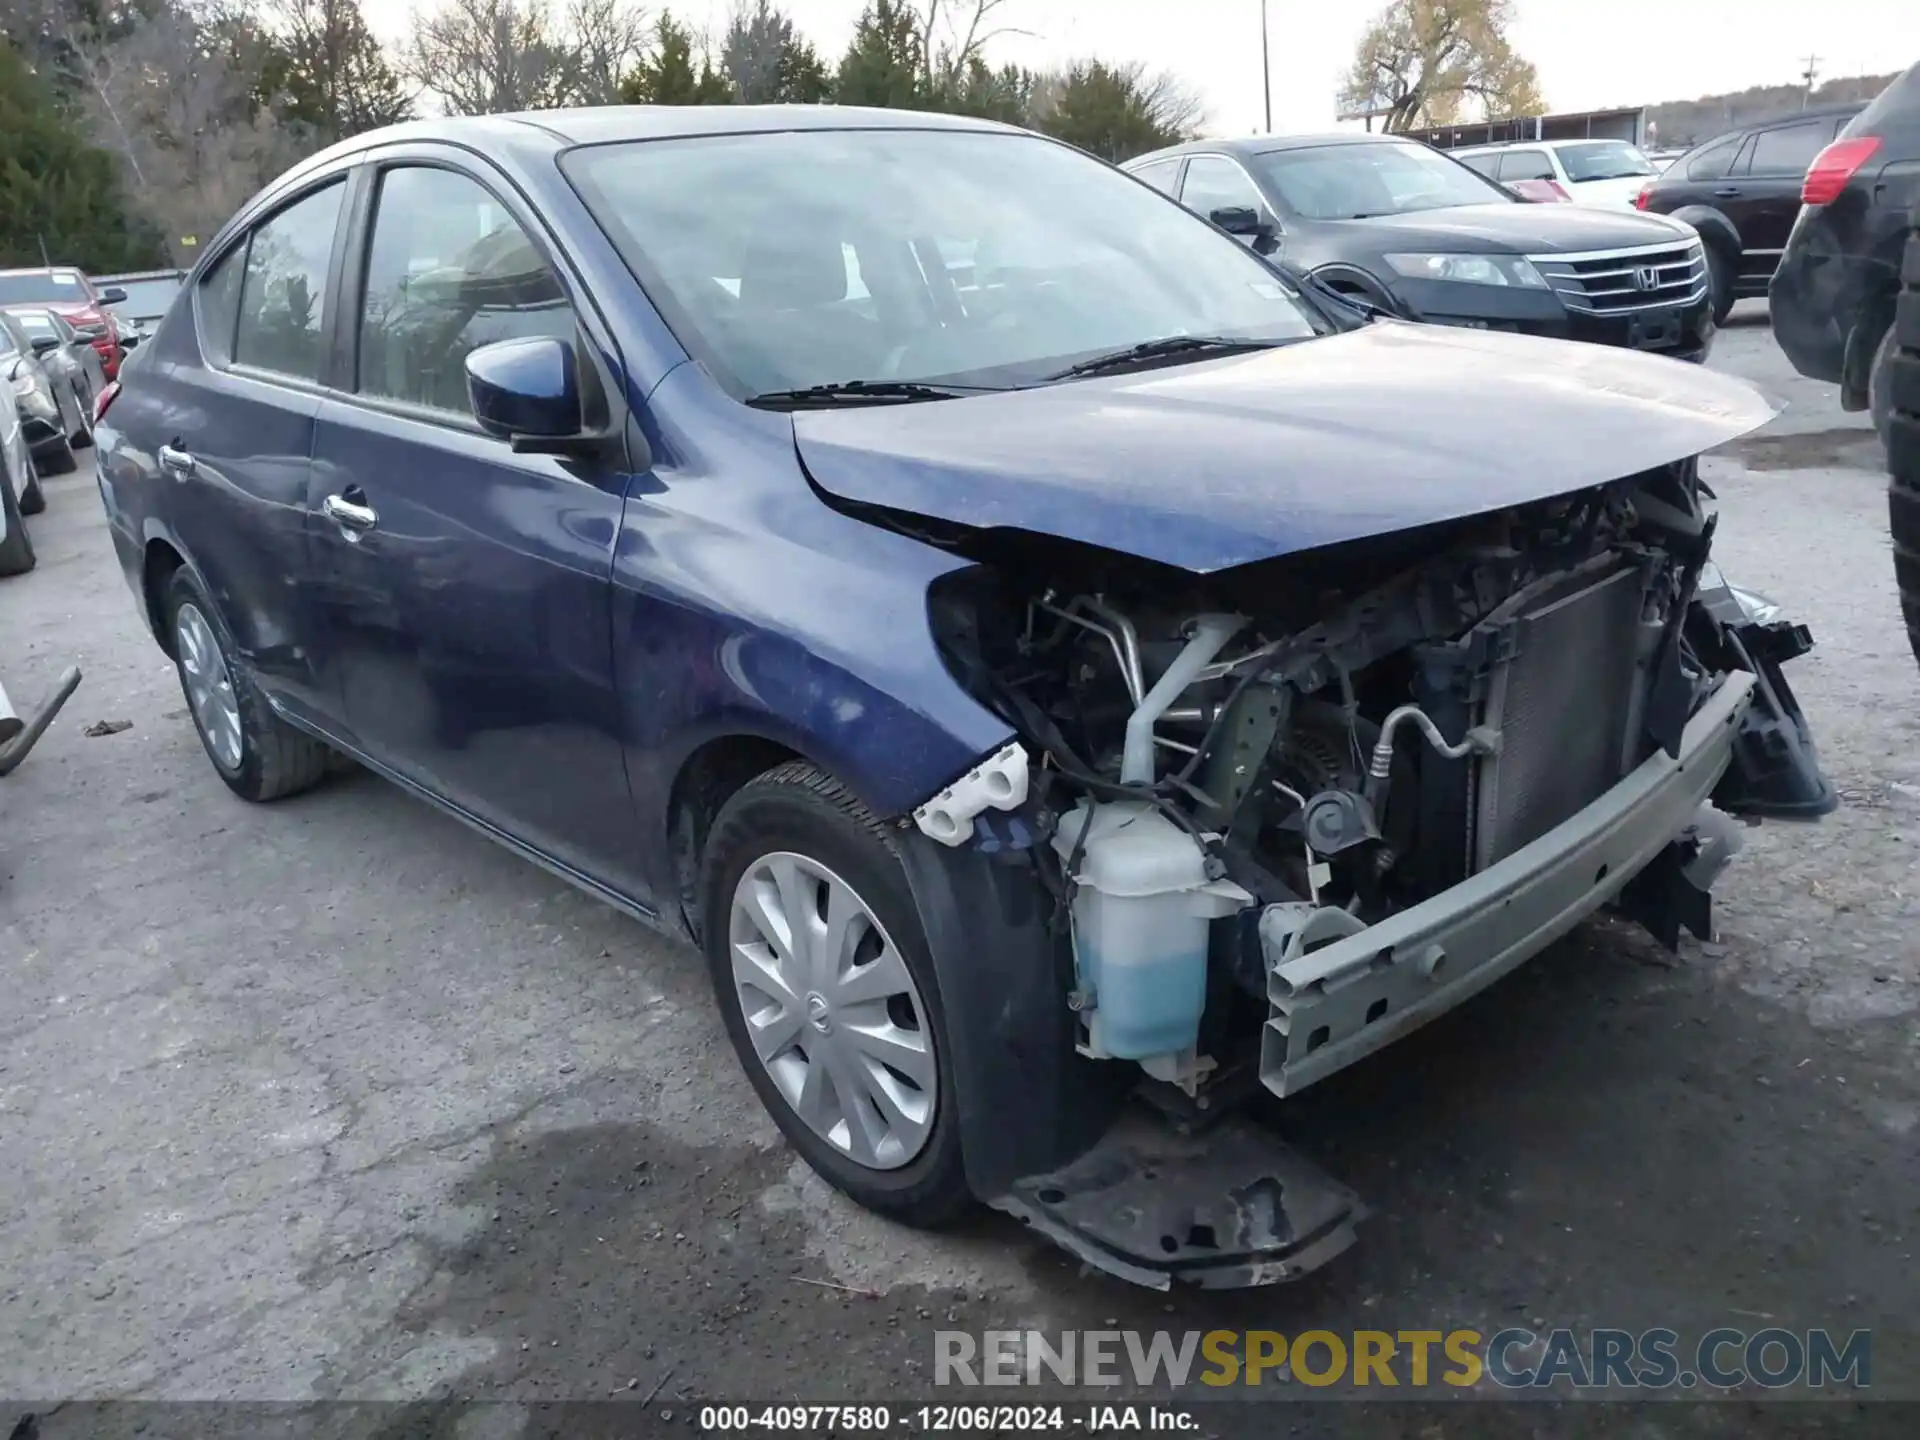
(1211,465)
(1519,229)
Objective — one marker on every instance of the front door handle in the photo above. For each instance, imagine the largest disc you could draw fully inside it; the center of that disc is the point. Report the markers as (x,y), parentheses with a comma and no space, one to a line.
(177,462)
(345,513)
(1731,192)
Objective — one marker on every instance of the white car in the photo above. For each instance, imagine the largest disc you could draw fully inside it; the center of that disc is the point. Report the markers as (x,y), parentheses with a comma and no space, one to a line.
(1607,173)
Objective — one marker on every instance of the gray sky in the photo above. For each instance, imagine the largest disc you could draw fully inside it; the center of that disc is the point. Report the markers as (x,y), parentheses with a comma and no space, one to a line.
(1590,53)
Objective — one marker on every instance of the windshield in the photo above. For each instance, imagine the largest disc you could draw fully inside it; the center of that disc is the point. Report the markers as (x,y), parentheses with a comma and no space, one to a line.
(146,299)
(1357,182)
(62,286)
(36,322)
(1603,160)
(959,257)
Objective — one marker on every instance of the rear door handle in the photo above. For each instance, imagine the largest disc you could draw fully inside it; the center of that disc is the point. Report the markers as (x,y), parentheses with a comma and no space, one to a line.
(345,513)
(1731,192)
(177,461)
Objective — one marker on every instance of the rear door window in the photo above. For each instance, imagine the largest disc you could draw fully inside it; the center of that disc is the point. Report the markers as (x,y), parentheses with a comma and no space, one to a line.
(1161,174)
(1526,165)
(283,291)
(1788,149)
(1487,164)
(1714,160)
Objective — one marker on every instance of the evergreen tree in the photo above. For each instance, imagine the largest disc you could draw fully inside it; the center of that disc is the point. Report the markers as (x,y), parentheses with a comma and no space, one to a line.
(668,76)
(884,64)
(56,190)
(327,73)
(1115,112)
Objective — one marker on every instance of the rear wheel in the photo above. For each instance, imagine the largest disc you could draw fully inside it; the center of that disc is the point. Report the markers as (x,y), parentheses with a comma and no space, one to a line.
(1898,394)
(258,754)
(82,437)
(825,982)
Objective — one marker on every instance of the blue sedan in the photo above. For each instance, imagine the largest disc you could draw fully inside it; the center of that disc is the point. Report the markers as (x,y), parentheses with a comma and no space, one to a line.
(1045,659)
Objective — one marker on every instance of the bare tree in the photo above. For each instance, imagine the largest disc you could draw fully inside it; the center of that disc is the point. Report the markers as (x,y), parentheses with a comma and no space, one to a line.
(483,57)
(953,35)
(605,39)
(173,92)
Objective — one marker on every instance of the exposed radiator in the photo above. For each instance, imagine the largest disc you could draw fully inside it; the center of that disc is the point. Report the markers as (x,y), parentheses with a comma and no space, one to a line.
(1562,694)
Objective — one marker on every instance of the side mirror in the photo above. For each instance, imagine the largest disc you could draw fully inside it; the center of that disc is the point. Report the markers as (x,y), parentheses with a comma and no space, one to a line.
(1238,220)
(115,296)
(1243,222)
(527,392)
(44,343)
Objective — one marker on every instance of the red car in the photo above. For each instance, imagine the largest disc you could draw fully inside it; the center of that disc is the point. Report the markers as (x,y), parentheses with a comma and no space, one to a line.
(69,292)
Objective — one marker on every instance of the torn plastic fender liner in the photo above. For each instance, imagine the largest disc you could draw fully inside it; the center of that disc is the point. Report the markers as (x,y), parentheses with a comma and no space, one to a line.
(1225,1209)
(1044,1132)
(1026,1101)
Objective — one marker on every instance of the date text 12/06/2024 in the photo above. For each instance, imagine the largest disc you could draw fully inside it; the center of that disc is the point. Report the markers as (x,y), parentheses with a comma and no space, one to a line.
(942,1419)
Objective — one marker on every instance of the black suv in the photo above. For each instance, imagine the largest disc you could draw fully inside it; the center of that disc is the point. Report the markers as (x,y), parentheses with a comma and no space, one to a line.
(1839,310)
(1741,191)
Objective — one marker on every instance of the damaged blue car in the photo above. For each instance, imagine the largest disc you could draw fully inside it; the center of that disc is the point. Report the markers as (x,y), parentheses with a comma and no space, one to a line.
(1047,661)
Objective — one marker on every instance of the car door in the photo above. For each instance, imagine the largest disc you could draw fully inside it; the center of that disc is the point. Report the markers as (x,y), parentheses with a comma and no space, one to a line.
(465,587)
(222,418)
(1762,195)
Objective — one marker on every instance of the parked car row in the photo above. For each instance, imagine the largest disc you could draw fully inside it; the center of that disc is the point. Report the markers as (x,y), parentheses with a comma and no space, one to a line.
(948,581)
(1418,234)
(72,295)
(146,294)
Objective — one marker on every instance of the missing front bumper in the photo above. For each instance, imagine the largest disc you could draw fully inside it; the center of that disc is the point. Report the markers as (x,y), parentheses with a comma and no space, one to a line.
(1335,1004)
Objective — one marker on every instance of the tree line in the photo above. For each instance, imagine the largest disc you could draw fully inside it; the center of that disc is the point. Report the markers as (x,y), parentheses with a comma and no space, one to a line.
(130,129)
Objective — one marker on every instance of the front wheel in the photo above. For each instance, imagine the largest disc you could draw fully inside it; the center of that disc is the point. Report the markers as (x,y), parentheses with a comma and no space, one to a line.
(16,547)
(1719,283)
(59,459)
(826,985)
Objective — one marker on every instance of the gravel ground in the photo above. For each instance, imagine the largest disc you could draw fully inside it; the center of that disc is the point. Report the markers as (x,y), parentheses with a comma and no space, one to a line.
(333,1099)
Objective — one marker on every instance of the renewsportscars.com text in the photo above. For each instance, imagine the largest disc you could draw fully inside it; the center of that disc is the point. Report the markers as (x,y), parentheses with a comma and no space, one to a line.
(1512,1358)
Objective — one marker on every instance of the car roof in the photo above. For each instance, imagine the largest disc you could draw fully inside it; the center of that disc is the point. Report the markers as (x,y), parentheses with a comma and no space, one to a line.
(549,130)
(1269,144)
(1542,144)
(544,132)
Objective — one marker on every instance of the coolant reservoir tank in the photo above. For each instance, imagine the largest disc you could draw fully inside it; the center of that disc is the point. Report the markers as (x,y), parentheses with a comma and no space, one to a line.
(1140,917)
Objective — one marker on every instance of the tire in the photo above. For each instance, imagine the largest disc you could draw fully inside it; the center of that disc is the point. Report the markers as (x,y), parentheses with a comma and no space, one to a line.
(1898,391)
(59,459)
(1719,282)
(82,439)
(774,827)
(16,550)
(1880,387)
(33,499)
(269,759)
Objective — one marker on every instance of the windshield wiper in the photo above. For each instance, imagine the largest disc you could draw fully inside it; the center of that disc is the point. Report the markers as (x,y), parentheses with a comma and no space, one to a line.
(1172,345)
(860,392)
